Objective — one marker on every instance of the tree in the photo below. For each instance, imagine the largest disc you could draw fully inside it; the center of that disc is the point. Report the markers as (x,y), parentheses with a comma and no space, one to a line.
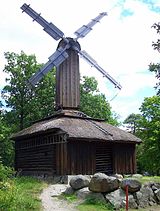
(93,103)
(6,145)
(156,67)
(147,126)
(149,150)
(133,122)
(150,153)
(26,105)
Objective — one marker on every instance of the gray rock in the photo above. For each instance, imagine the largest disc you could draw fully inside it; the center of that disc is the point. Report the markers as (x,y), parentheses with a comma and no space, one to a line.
(133,185)
(145,197)
(79,181)
(157,193)
(103,184)
(118,176)
(155,186)
(97,196)
(84,193)
(132,202)
(148,193)
(69,191)
(118,199)
(142,202)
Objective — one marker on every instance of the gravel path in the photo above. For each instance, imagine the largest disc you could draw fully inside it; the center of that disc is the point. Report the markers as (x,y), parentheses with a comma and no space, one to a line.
(50,200)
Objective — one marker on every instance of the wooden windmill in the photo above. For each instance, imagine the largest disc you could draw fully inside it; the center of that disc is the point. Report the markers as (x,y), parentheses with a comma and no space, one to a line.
(70,142)
(66,60)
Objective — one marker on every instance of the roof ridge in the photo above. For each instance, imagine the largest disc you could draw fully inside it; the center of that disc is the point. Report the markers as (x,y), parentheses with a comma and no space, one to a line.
(99,127)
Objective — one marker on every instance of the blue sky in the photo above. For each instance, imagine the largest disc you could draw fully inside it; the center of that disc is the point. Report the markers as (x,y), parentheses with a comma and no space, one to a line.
(121,43)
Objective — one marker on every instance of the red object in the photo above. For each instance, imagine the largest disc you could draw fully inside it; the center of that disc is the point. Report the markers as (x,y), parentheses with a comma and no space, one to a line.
(126,197)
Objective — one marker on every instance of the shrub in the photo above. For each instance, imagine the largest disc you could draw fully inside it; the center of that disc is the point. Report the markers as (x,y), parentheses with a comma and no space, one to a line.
(5,172)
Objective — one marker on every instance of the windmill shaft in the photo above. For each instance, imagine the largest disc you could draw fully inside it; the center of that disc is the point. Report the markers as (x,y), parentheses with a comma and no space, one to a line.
(68,78)
(50,28)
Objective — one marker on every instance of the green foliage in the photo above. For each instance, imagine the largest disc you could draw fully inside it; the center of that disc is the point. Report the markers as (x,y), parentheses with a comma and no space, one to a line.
(147,127)
(21,194)
(70,198)
(26,104)
(133,123)
(5,173)
(149,150)
(6,145)
(93,103)
(156,67)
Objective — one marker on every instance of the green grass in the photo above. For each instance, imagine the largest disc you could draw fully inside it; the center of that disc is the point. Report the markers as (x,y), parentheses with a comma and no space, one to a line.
(70,198)
(90,204)
(93,204)
(145,179)
(91,207)
(21,194)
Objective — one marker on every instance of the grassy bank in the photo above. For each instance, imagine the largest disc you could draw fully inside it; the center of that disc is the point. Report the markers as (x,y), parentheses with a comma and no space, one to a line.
(20,194)
(145,179)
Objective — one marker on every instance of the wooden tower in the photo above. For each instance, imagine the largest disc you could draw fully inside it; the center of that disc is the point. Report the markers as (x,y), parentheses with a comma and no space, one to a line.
(68,79)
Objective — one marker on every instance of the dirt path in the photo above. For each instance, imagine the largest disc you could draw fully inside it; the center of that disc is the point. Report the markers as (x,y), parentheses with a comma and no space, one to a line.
(50,200)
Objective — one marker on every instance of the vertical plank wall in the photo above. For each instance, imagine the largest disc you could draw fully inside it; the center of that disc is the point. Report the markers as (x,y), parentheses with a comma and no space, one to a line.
(124,159)
(81,157)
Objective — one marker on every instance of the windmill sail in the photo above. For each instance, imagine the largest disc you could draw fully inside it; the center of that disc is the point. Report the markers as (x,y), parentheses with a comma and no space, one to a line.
(66,59)
(85,29)
(93,63)
(54,60)
(50,28)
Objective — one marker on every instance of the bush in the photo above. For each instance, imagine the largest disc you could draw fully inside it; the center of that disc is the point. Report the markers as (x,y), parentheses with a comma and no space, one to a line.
(5,172)
(20,193)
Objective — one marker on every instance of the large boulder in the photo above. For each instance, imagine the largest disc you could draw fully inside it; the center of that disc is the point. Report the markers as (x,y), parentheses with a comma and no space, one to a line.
(133,185)
(103,184)
(118,199)
(79,181)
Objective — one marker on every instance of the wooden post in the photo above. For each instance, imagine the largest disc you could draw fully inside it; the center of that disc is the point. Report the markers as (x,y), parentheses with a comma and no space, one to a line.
(127,197)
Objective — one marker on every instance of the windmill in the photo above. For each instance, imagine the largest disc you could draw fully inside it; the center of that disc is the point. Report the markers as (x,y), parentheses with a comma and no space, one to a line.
(66,60)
